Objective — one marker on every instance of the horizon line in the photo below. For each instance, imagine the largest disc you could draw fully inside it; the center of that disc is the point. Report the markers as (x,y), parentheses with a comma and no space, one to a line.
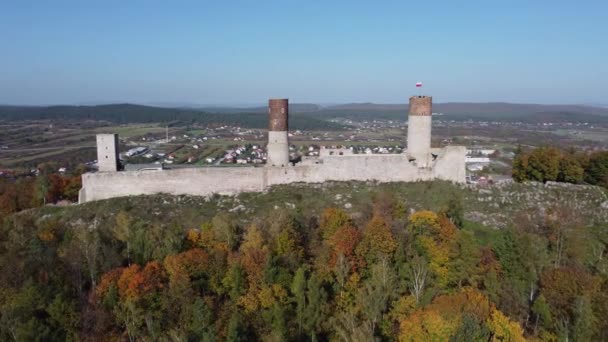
(186,104)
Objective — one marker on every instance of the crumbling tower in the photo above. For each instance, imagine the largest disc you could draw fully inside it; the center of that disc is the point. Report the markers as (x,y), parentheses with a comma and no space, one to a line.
(278,143)
(107,152)
(419,130)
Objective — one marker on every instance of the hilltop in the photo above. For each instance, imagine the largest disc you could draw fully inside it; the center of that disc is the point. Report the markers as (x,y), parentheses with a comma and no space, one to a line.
(492,207)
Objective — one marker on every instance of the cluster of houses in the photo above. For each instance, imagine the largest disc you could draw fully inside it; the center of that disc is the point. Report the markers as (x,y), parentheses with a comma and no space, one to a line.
(379,149)
(329,150)
(478,158)
(312,151)
(243,155)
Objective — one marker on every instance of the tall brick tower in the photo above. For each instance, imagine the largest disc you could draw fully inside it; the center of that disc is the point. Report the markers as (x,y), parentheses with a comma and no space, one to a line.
(419,130)
(107,152)
(278,143)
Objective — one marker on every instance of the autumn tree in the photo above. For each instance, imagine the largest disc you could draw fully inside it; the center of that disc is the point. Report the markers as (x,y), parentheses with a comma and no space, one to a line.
(570,169)
(225,230)
(566,289)
(331,220)
(596,172)
(503,329)
(377,241)
(384,205)
(466,314)
(520,165)
(433,236)
(343,245)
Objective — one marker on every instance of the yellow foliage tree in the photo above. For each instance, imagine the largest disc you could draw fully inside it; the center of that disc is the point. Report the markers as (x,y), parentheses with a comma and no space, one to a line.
(439,256)
(422,222)
(426,325)
(503,329)
(377,240)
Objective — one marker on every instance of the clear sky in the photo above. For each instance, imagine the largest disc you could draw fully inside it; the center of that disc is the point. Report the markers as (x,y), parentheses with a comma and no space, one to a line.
(243,52)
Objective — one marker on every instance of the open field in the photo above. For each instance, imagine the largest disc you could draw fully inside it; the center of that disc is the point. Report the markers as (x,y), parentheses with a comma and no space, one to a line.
(134,130)
(598,135)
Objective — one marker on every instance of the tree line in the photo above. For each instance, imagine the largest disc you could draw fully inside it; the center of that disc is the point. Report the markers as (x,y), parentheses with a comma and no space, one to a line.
(395,274)
(545,164)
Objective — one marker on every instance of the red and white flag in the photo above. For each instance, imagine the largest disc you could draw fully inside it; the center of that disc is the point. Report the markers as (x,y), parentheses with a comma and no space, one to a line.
(418,84)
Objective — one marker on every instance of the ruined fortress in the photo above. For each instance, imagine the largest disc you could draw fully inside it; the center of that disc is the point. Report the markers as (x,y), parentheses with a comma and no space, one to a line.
(418,162)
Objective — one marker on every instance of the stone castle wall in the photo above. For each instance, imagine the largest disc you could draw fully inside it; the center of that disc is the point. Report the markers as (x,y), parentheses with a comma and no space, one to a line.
(420,162)
(449,165)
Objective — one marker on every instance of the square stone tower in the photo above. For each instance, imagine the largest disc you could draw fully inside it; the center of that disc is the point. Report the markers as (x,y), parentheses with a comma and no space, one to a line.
(107,152)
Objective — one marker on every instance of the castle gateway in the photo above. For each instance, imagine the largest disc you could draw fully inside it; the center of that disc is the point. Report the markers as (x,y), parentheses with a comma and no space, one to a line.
(419,162)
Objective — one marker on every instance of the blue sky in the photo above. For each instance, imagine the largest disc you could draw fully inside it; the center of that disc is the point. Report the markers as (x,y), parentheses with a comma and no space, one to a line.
(243,52)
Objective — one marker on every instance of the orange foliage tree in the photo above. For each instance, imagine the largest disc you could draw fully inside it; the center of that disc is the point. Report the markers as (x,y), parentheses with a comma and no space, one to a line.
(440,320)
(136,282)
(343,243)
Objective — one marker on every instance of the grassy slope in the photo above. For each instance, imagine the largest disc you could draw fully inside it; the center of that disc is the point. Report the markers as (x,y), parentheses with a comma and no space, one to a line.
(484,207)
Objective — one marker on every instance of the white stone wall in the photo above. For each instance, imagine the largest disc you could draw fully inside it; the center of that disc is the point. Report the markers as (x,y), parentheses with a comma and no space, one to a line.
(419,139)
(449,165)
(278,148)
(194,181)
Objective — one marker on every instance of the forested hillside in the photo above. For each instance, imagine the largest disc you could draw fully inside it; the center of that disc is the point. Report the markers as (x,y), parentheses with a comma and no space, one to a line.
(340,261)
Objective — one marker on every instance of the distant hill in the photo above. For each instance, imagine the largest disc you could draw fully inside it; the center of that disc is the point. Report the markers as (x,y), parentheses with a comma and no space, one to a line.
(369,106)
(293,107)
(131,113)
(496,111)
(305,116)
(478,108)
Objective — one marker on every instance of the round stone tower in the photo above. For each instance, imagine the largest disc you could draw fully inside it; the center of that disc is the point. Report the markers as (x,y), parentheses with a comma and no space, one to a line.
(419,130)
(278,143)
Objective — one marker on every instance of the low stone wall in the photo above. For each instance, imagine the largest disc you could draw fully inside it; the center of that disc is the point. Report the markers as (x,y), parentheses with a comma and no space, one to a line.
(449,165)
(194,181)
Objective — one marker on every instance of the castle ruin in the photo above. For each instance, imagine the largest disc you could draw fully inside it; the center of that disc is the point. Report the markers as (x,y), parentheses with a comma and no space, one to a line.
(419,162)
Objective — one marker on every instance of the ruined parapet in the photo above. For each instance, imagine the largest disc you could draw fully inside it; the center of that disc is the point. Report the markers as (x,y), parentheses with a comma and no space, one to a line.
(419,130)
(450,164)
(330,152)
(278,143)
(107,152)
